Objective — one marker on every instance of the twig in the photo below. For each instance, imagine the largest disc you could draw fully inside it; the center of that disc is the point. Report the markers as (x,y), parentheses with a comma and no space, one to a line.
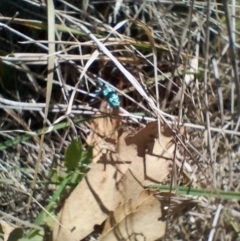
(215,221)
(206,74)
(169,86)
(233,55)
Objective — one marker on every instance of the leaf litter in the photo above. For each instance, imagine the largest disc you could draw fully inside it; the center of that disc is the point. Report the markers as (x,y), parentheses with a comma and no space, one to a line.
(114,186)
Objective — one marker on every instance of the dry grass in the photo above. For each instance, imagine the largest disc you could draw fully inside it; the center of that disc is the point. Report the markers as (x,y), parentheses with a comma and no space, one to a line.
(184,35)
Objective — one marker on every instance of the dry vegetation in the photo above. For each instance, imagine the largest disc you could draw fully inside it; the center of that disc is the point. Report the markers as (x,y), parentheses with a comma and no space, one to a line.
(175,63)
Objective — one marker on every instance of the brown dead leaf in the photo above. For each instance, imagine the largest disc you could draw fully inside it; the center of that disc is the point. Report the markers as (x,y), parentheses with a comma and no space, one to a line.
(138,219)
(115,179)
(10,233)
(103,132)
(98,194)
(152,169)
(143,137)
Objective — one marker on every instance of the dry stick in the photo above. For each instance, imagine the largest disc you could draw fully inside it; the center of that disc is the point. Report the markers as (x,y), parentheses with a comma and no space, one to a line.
(151,39)
(10,20)
(174,169)
(182,90)
(233,55)
(173,178)
(162,28)
(215,221)
(169,87)
(197,83)
(20,122)
(234,71)
(220,99)
(220,95)
(206,70)
(51,50)
(234,41)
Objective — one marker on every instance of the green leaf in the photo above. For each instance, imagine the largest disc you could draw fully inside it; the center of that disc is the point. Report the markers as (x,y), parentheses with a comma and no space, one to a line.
(87,156)
(33,234)
(73,155)
(25,137)
(225,195)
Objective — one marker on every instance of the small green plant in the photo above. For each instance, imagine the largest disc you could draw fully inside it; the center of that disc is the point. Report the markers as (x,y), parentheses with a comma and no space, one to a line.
(76,161)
